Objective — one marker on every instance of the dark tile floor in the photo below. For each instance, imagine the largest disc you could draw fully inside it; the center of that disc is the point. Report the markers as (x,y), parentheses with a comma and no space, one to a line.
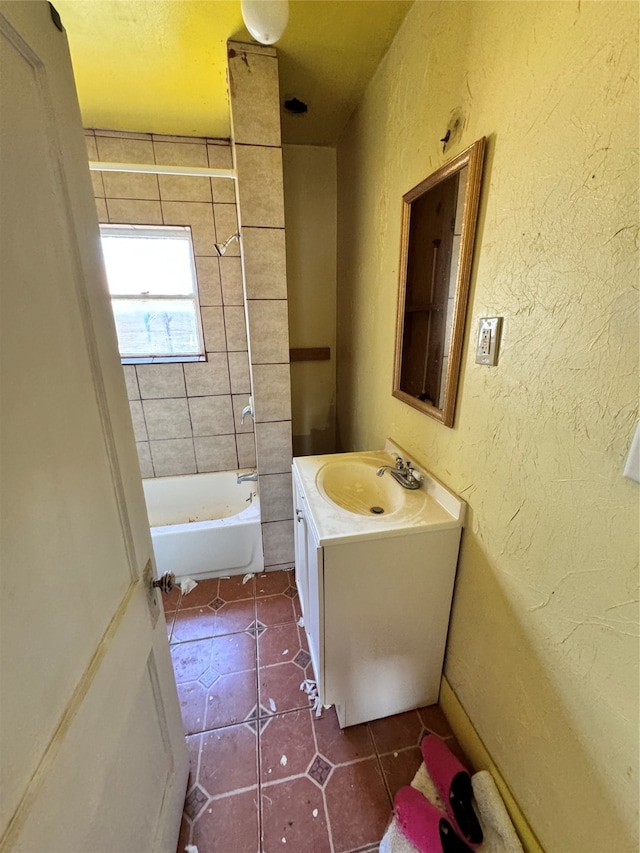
(266,774)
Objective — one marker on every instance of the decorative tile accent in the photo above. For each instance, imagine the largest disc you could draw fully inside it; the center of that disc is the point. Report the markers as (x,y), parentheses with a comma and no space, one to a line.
(196,798)
(216,604)
(320,770)
(302,659)
(209,677)
(291,592)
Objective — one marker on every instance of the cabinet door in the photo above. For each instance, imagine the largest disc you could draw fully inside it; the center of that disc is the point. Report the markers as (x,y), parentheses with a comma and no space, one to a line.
(314,618)
(300,544)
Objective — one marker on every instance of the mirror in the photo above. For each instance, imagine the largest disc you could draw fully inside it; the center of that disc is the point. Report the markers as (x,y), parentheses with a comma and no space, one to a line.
(436,249)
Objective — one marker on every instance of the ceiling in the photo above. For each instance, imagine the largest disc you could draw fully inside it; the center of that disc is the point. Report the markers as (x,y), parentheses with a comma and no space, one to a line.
(159,66)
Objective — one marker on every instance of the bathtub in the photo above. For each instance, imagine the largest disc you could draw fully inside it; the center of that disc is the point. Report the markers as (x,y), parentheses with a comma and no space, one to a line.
(205,525)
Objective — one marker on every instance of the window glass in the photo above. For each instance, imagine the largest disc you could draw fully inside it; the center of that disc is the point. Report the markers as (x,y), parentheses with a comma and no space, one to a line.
(152,281)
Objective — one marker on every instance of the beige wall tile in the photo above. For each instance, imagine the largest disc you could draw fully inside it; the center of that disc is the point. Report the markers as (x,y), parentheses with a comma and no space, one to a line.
(265,263)
(180,153)
(220,157)
(184,188)
(272,392)
(98,184)
(92,148)
(277,543)
(239,372)
(160,380)
(268,330)
(130,212)
(115,149)
(101,210)
(131,381)
(144,458)
(226,225)
(236,327)
(208,273)
(276,497)
(223,190)
(173,457)
(260,186)
(213,327)
(246,445)
(130,185)
(240,401)
(255,99)
(208,377)
(137,418)
(167,418)
(231,280)
(216,453)
(211,415)
(273,443)
(199,216)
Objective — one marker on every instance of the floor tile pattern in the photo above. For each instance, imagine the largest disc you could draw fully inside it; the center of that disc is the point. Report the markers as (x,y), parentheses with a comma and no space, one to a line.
(266,774)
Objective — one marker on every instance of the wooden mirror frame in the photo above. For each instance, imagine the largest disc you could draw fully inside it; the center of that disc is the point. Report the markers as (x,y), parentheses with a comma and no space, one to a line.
(472,158)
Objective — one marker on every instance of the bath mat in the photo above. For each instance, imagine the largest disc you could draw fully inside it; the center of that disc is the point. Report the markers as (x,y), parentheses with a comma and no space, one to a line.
(499,834)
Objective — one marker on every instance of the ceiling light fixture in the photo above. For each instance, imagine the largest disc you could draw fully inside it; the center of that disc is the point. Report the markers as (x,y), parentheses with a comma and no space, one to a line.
(266,20)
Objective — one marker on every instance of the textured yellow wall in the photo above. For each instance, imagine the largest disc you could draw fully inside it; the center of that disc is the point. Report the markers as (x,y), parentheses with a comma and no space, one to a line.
(543,646)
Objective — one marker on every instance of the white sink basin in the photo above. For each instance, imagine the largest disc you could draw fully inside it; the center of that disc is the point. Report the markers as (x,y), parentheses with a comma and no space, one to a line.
(352,484)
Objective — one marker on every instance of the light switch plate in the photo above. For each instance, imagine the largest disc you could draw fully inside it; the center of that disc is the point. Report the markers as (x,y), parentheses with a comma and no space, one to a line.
(488,340)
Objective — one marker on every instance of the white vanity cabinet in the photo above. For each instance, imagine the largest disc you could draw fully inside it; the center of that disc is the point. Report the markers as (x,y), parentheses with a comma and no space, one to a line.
(375,599)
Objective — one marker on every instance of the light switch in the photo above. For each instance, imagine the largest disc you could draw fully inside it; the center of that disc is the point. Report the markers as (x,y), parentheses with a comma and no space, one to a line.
(488,340)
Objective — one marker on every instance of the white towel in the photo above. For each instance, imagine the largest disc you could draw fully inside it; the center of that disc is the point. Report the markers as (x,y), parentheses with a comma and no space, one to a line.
(499,834)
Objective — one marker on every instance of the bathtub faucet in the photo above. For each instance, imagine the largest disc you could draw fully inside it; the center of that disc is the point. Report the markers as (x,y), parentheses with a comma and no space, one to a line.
(248,410)
(252,476)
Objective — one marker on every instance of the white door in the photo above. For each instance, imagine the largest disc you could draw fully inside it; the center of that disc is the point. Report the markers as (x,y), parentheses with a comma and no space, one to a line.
(92,752)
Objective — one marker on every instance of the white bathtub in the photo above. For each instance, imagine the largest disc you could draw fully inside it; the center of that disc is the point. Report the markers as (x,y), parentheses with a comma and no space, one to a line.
(205,525)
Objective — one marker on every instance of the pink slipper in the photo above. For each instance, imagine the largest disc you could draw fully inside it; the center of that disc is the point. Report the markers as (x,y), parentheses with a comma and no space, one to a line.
(426,827)
(454,786)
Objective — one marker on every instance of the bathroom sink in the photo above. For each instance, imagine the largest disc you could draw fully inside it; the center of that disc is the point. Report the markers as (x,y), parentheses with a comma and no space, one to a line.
(353,485)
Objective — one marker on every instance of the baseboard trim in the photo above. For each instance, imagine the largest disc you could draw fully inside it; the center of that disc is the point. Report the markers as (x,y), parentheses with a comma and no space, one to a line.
(474,748)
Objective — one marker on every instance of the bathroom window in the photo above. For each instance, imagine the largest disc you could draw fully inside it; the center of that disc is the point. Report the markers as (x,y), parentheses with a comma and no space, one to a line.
(154,293)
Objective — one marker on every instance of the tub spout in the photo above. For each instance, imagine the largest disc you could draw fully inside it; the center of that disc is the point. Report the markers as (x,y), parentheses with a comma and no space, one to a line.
(251,476)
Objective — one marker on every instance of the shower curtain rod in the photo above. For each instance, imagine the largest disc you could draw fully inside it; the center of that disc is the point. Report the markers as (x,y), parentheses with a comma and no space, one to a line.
(189,171)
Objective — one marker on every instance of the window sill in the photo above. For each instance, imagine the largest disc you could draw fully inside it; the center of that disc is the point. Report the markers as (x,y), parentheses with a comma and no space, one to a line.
(171,359)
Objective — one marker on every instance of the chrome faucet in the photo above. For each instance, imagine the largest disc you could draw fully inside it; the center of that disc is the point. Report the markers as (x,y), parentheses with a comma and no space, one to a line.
(248,410)
(402,473)
(251,476)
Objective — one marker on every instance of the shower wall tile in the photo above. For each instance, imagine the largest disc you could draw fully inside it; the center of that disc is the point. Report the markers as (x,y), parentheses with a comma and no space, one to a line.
(161,392)
(160,380)
(215,339)
(167,418)
(246,445)
(260,186)
(208,275)
(211,415)
(216,453)
(184,188)
(131,380)
(182,152)
(240,401)
(277,543)
(236,326)
(254,85)
(173,457)
(144,458)
(272,392)
(265,263)
(223,190)
(208,377)
(269,324)
(133,212)
(231,279)
(130,185)
(137,418)
(239,372)
(199,216)
(273,446)
(276,497)
(121,149)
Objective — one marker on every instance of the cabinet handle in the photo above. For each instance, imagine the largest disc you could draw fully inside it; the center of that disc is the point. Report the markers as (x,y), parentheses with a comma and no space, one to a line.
(299,515)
